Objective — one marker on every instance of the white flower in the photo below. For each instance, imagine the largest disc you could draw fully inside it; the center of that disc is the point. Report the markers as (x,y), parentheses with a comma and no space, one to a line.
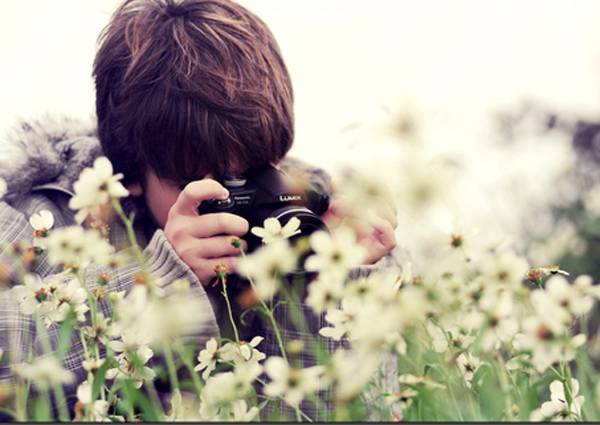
(381,288)
(335,252)
(273,231)
(92,365)
(73,246)
(548,340)
(207,358)
(53,299)
(325,292)
(34,296)
(242,352)
(3,188)
(44,372)
(41,223)
(352,371)
(403,398)
(413,380)
(545,305)
(132,347)
(341,319)
(69,297)
(184,408)
(468,365)
(497,319)
(407,274)
(290,383)
(558,408)
(241,413)
(96,187)
(223,389)
(99,408)
(459,241)
(591,200)
(438,337)
(387,333)
(84,392)
(398,342)
(505,269)
(266,265)
(158,320)
(236,411)
(585,286)
(567,296)
(104,329)
(365,189)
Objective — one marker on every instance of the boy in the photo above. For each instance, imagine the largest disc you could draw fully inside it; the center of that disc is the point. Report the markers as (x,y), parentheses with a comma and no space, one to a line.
(184,90)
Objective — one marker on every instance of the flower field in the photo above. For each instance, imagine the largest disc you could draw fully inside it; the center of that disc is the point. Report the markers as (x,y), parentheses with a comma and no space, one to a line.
(483,335)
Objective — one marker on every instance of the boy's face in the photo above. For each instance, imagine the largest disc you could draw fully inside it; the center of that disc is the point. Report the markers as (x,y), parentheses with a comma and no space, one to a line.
(160,195)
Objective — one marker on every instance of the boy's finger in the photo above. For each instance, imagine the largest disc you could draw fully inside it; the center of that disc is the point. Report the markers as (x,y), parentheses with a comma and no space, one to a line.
(209,267)
(194,193)
(333,216)
(208,225)
(220,246)
(384,233)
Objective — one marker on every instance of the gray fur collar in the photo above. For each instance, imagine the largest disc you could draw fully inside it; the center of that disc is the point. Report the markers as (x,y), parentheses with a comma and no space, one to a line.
(49,151)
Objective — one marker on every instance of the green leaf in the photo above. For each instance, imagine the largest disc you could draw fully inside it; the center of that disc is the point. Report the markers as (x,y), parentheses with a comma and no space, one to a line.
(149,412)
(41,410)
(491,398)
(99,377)
(64,335)
(480,374)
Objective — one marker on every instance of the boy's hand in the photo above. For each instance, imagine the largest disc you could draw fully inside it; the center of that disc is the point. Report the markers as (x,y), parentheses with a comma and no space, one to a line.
(376,235)
(204,241)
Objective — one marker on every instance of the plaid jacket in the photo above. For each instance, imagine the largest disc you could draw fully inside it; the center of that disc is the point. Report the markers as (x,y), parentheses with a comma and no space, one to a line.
(17,331)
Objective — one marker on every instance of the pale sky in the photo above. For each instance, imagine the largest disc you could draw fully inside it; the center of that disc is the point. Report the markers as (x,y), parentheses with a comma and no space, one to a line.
(455,60)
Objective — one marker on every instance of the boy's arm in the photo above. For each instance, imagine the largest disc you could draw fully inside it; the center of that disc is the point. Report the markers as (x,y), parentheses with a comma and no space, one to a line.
(17,331)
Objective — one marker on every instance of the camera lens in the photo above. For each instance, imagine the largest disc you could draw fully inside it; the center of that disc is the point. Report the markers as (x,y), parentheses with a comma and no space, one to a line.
(309,221)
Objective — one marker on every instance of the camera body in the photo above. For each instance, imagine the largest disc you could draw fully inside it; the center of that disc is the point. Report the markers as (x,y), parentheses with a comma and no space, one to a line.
(265,192)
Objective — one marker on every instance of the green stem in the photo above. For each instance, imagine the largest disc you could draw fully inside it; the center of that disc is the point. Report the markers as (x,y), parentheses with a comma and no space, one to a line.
(155,398)
(63,413)
(508,401)
(131,236)
(566,371)
(171,367)
(129,404)
(46,397)
(190,367)
(223,279)
(20,402)
(452,396)
(277,334)
(269,314)
(299,321)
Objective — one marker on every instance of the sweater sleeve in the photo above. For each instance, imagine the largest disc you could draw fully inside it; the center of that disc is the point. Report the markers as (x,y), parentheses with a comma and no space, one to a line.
(17,331)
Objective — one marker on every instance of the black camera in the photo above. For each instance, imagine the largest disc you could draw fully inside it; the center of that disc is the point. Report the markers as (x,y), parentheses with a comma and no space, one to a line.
(265,192)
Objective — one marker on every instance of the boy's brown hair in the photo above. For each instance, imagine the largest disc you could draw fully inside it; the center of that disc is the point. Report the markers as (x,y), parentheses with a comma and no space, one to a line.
(190,87)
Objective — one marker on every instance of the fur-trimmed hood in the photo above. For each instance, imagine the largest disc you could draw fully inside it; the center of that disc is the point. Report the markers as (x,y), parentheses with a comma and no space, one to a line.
(50,153)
